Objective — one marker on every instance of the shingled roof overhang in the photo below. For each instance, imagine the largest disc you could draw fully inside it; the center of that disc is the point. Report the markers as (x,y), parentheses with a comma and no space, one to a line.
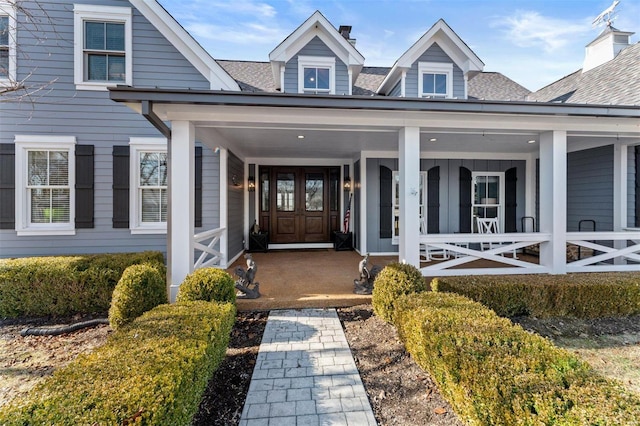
(134,95)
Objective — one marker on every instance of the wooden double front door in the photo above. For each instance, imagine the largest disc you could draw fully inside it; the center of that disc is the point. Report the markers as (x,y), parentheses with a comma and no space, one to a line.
(299,204)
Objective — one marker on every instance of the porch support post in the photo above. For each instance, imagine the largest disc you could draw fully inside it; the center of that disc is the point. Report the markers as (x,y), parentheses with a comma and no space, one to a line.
(553,200)
(409,150)
(620,169)
(224,206)
(180,226)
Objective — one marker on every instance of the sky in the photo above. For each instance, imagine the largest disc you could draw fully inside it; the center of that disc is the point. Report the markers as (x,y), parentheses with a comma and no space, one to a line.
(533,42)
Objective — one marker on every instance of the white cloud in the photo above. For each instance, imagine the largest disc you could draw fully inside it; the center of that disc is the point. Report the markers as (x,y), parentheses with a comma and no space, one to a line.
(531,29)
(245,7)
(250,33)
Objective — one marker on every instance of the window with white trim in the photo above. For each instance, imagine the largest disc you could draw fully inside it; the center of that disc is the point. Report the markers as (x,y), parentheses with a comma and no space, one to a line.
(316,74)
(103,46)
(149,176)
(7,43)
(45,179)
(487,198)
(395,196)
(435,80)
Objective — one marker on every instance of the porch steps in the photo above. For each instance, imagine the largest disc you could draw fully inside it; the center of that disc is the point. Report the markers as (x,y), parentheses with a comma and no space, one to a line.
(305,374)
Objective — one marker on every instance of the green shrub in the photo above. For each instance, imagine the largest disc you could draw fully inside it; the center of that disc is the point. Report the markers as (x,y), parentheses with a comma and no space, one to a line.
(210,284)
(63,285)
(393,281)
(495,373)
(153,371)
(140,289)
(585,295)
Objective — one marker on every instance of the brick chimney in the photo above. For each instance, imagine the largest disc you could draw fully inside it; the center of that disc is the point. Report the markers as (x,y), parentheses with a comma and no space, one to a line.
(345,31)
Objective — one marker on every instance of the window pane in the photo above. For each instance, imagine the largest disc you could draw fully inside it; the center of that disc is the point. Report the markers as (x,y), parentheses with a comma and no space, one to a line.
(40,205)
(4,63)
(97,67)
(151,205)
(150,169)
(115,36)
(285,190)
(428,83)
(37,168)
(116,68)
(58,168)
(59,206)
(4,31)
(440,84)
(334,190)
(163,205)
(314,192)
(94,35)
(323,78)
(264,191)
(310,78)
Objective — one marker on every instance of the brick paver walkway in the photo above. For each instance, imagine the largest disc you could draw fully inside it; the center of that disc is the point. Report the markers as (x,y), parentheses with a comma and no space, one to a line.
(305,374)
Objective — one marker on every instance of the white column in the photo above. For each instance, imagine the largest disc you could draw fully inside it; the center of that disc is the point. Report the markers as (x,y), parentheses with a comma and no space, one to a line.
(553,200)
(224,205)
(409,171)
(620,170)
(180,226)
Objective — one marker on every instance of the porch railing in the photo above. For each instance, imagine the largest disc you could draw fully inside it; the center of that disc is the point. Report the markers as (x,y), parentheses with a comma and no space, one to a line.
(466,248)
(207,248)
(607,251)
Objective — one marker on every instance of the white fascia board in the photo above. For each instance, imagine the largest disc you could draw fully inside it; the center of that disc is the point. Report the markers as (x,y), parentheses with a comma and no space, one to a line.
(392,78)
(186,45)
(317,25)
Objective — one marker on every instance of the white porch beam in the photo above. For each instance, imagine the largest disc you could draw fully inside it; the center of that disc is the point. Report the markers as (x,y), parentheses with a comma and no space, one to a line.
(409,149)
(620,169)
(180,226)
(553,200)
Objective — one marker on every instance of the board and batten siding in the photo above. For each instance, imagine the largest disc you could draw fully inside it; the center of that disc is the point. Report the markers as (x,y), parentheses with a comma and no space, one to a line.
(434,54)
(235,209)
(315,47)
(449,193)
(590,188)
(94,119)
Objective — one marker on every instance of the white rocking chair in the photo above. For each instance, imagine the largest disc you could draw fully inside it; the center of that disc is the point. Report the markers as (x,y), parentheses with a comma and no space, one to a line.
(427,253)
(490,226)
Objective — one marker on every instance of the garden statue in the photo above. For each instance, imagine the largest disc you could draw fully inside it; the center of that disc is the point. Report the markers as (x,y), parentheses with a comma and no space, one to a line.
(248,289)
(367,276)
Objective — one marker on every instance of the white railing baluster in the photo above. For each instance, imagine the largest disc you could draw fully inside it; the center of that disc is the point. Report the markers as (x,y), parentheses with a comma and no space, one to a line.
(205,242)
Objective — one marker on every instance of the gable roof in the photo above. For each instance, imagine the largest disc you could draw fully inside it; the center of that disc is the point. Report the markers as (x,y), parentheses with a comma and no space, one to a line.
(448,40)
(315,26)
(614,82)
(218,78)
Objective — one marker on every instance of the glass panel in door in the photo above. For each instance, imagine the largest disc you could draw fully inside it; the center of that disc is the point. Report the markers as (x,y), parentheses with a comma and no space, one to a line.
(314,192)
(285,192)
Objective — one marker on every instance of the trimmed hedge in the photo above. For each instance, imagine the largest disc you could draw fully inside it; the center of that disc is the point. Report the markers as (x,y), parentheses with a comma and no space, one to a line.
(152,372)
(140,289)
(495,373)
(393,281)
(64,285)
(589,295)
(209,284)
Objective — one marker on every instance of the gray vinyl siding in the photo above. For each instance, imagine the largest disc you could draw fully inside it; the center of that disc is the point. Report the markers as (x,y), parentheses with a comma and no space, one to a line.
(235,212)
(590,188)
(397,89)
(449,193)
(434,54)
(315,47)
(631,187)
(94,120)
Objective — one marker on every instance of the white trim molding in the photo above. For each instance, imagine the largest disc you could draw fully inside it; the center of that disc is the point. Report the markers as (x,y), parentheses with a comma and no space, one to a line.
(138,145)
(7,8)
(83,13)
(24,144)
(435,68)
(326,62)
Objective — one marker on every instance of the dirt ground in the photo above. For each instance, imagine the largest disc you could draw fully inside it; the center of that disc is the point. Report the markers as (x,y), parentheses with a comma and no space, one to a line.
(399,391)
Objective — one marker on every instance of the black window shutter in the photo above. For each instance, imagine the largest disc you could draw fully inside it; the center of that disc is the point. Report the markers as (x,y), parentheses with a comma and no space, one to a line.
(637,153)
(7,186)
(510,200)
(84,186)
(433,200)
(198,188)
(465,200)
(386,202)
(120,186)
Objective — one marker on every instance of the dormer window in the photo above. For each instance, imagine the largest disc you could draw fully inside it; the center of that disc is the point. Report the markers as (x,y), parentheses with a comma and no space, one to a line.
(316,74)
(435,80)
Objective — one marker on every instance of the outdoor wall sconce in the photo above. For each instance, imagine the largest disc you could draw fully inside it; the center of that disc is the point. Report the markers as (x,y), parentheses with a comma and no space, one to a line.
(347,184)
(251,184)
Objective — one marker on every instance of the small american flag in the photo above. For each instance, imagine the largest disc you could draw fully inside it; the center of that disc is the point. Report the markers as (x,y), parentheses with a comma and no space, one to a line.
(347,216)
